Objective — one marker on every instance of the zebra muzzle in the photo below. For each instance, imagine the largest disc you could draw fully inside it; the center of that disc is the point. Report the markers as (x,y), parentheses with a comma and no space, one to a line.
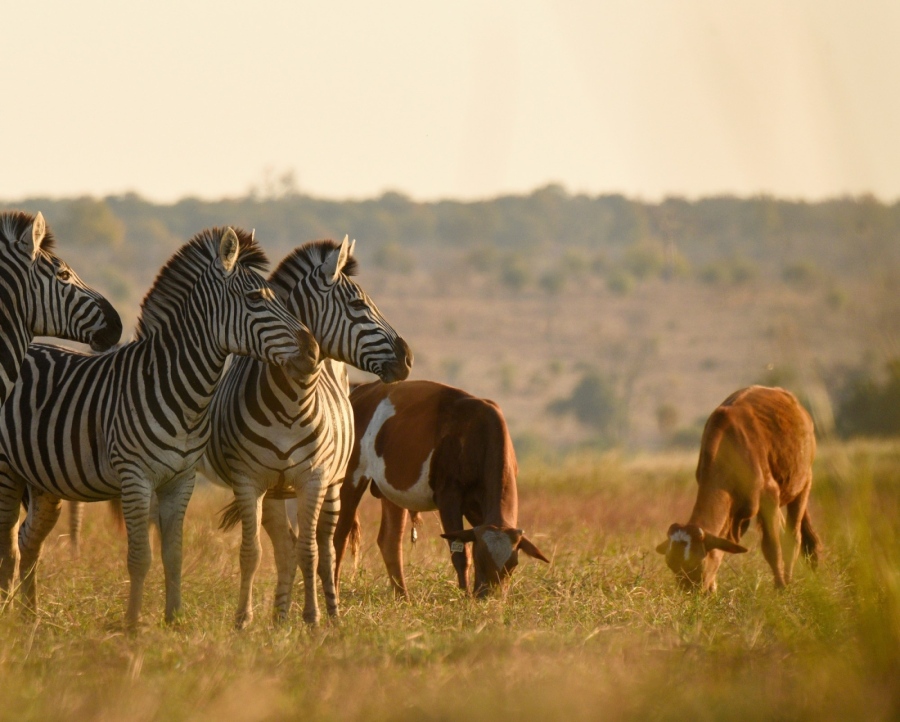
(109,329)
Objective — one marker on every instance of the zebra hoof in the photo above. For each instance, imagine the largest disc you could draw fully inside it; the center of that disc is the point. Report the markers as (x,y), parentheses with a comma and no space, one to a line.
(242,620)
(311,619)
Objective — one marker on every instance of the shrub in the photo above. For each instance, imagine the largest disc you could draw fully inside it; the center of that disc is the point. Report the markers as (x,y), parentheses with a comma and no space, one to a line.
(868,407)
(595,402)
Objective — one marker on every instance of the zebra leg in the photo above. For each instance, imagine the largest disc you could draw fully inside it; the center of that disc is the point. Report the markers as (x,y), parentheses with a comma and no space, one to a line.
(43,513)
(76,517)
(11,490)
(136,509)
(277,526)
(310,496)
(328,517)
(250,502)
(173,499)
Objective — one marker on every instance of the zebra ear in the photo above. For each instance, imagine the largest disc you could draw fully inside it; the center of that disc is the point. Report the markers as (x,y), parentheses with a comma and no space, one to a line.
(336,261)
(38,233)
(229,247)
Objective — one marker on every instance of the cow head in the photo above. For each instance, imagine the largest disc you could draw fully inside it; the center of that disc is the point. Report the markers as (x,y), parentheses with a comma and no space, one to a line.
(495,551)
(686,550)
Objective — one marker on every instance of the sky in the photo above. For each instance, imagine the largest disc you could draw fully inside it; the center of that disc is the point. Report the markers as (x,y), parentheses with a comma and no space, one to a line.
(465,99)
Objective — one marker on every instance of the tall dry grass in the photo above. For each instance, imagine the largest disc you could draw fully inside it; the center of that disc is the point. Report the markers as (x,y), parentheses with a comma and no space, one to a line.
(601,633)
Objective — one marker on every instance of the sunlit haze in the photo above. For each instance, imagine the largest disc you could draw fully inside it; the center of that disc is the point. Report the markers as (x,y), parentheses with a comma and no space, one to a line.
(465,99)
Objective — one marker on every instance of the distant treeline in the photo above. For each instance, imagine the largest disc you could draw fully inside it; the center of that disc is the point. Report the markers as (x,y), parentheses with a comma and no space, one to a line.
(845,234)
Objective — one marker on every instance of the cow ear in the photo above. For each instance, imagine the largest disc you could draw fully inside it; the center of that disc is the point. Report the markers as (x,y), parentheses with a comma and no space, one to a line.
(463,535)
(664,547)
(229,248)
(337,259)
(527,546)
(725,545)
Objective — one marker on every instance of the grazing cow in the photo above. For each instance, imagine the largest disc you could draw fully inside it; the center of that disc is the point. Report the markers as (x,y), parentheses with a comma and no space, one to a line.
(756,456)
(427,446)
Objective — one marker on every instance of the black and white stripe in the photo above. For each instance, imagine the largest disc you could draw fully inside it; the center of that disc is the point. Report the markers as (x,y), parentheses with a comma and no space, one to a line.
(275,434)
(136,420)
(40,295)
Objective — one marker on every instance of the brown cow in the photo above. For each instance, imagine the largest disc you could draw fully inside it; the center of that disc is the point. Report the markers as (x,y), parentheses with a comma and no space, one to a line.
(756,456)
(428,446)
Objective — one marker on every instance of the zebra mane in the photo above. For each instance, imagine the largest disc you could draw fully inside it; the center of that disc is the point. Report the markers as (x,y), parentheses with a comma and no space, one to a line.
(13,225)
(165,299)
(300,262)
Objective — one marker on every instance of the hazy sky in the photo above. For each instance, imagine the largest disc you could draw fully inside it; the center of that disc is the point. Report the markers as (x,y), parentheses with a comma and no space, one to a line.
(451,99)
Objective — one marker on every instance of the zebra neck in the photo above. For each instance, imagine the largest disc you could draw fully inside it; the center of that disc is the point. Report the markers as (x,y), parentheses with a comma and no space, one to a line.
(190,363)
(295,388)
(15,335)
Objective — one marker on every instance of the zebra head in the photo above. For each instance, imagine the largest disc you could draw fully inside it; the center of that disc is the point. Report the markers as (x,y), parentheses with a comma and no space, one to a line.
(55,301)
(315,283)
(254,322)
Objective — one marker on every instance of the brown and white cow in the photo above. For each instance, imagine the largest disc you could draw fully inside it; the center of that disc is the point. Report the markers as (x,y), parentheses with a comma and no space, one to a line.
(756,456)
(427,446)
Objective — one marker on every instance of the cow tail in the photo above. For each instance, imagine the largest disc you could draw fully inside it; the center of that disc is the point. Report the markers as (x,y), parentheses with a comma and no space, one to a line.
(809,541)
(118,516)
(416,519)
(355,538)
(230,516)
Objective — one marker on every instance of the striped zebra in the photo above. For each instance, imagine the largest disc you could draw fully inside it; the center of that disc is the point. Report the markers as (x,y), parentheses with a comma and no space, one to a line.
(136,420)
(293,437)
(40,295)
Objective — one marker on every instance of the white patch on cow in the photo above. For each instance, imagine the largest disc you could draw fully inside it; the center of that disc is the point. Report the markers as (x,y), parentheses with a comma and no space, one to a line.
(370,464)
(457,546)
(499,546)
(419,497)
(682,536)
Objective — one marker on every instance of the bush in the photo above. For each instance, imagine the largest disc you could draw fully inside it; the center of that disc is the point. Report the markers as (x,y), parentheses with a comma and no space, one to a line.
(595,402)
(870,408)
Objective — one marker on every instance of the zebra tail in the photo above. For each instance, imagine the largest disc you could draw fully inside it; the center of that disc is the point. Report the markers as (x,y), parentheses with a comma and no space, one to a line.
(230,516)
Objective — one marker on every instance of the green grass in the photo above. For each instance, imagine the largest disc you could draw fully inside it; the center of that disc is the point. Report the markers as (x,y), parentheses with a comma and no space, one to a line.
(601,633)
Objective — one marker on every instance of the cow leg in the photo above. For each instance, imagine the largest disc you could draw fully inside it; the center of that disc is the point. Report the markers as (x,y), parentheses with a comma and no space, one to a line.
(347,529)
(796,510)
(173,499)
(249,500)
(451,520)
(275,522)
(43,513)
(769,524)
(390,541)
(711,569)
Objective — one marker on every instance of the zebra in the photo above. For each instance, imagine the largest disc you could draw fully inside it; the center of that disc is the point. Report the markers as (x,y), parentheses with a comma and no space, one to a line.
(135,421)
(274,437)
(40,295)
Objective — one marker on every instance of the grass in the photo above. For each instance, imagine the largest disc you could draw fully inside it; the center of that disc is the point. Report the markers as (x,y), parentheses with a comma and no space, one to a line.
(601,633)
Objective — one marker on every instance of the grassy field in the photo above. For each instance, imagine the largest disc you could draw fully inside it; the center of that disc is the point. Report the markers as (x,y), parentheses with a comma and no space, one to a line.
(601,633)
